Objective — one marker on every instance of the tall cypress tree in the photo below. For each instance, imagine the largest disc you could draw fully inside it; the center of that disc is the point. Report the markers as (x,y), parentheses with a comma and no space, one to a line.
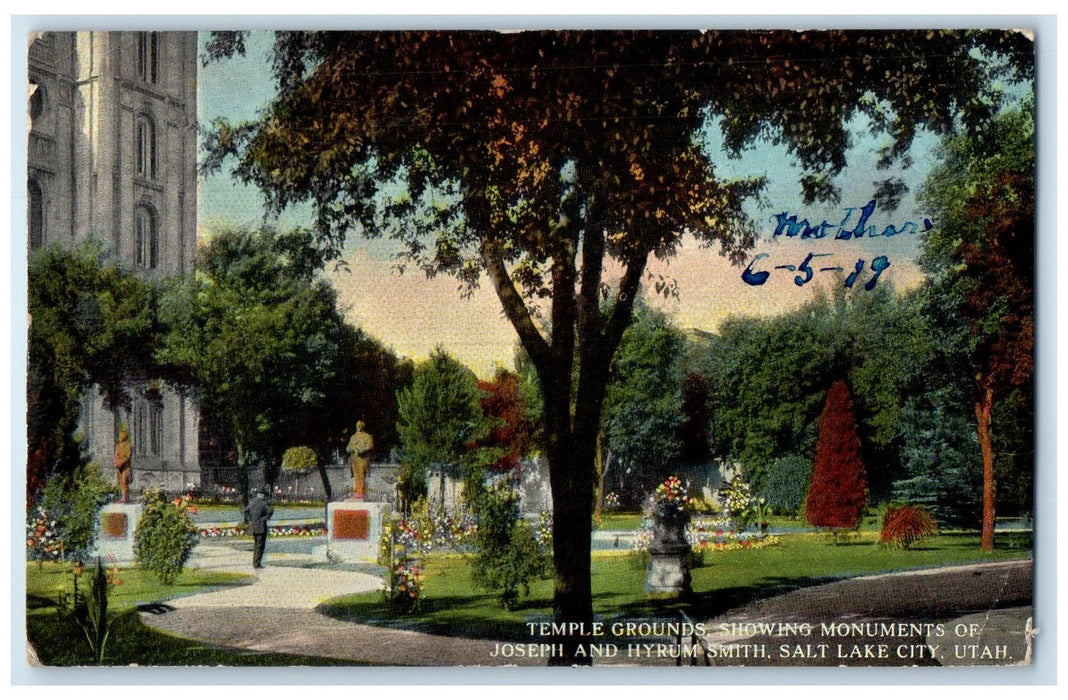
(836,495)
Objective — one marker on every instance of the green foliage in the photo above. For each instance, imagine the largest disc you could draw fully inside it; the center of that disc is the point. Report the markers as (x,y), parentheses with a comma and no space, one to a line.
(256,334)
(940,456)
(91,323)
(299,459)
(165,537)
(836,494)
(508,557)
(874,338)
(980,265)
(749,363)
(905,525)
(641,416)
(73,503)
(91,612)
(786,483)
(440,416)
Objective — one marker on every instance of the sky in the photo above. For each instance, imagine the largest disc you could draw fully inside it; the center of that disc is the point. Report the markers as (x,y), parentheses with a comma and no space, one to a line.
(412,314)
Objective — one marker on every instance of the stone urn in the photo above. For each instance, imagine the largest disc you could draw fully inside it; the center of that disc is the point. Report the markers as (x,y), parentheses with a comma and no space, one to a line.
(669,552)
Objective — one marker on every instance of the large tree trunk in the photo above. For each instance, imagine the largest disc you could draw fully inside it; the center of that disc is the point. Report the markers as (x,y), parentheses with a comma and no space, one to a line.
(571,478)
(572,414)
(983,407)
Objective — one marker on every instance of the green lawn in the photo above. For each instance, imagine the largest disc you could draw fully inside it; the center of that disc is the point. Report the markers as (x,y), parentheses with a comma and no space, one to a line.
(451,605)
(620,521)
(59,641)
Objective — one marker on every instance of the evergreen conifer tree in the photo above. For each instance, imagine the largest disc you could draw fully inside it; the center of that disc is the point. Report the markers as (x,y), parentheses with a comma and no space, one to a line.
(836,495)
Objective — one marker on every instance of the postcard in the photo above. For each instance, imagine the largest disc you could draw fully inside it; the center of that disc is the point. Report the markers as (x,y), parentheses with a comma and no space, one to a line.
(623,348)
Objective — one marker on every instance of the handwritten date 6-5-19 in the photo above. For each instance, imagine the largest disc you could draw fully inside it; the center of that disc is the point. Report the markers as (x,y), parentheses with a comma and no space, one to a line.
(806,272)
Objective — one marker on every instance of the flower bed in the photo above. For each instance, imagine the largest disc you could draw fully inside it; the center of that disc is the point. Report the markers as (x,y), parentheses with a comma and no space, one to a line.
(42,537)
(717,536)
(310,530)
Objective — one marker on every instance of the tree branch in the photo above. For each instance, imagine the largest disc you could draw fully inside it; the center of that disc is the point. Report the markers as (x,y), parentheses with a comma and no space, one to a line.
(621,312)
(512,302)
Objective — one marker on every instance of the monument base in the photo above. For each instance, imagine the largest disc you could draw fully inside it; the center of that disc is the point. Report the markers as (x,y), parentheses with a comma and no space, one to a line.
(353,530)
(669,570)
(116,525)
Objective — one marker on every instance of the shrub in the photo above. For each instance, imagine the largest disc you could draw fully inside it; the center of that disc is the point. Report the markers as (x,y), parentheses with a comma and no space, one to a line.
(905,525)
(785,482)
(508,557)
(165,537)
(299,459)
(70,505)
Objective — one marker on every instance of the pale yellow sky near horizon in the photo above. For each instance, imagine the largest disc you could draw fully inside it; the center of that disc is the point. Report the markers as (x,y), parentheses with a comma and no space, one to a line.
(412,314)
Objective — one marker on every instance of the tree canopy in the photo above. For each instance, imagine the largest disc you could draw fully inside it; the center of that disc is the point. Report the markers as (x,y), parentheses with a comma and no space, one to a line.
(439,417)
(981,263)
(92,323)
(643,402)
(254,334)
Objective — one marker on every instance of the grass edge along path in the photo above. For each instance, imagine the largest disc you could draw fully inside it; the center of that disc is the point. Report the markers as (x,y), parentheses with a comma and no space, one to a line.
(58,641)
(452,606)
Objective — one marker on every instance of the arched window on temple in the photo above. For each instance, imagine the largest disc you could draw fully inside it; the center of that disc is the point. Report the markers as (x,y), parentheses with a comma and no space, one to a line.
(146,147)
(148,56)
(35,213)
(146,238)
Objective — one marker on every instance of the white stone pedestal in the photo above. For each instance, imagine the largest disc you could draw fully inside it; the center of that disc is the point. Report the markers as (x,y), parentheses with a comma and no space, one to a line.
(353,530)
(116,526)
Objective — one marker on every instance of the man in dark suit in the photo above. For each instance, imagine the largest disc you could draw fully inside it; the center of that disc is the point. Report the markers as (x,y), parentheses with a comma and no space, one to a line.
(257,513)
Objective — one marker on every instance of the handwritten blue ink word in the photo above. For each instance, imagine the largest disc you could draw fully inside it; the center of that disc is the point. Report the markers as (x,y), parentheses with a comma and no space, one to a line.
(758,278)
(788,225)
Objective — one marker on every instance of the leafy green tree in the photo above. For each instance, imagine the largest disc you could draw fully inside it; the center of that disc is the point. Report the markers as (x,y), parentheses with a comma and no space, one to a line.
(786,483)
(768,387)
(886,340)
(92,323)
(366,379)
(642,415)
(766,378)
(940,456)
(255,333)
(440,421)
(980,262)
(535,158)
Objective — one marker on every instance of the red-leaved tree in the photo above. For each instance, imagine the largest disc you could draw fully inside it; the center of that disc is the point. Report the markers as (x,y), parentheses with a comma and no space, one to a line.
(836,495)
(503,400)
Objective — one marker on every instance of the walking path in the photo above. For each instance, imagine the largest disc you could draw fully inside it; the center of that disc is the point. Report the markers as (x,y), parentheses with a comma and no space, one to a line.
(276,612)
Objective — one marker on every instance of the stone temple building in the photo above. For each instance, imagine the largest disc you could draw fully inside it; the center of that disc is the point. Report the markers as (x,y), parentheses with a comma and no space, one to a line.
(112,118)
